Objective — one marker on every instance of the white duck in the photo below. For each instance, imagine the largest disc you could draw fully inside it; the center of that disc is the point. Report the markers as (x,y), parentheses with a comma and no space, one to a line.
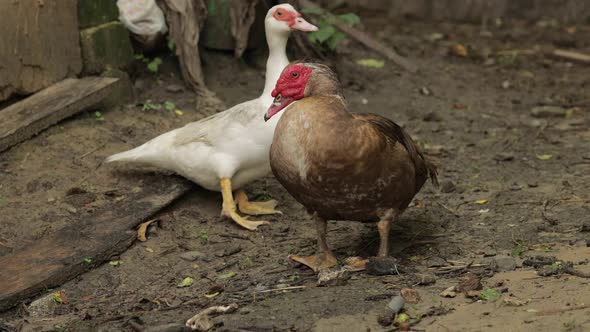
(227,150)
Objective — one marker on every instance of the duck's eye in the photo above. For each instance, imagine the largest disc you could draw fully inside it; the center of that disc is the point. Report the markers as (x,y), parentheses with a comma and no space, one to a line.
(279,13)
(295,74)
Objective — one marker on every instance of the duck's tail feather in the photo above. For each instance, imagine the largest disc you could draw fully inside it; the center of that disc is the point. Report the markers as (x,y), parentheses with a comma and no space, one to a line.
(432,173)
(137,155)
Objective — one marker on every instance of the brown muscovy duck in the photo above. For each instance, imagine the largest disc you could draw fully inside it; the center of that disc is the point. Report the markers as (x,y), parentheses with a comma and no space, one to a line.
(340,165)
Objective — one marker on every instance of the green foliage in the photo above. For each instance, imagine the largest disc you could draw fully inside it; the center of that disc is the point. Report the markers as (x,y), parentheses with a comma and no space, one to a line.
(327,34)
(204,237)
(149,106)
(170,106)
(153,65)
(519,250)
(490,294)
(99,116)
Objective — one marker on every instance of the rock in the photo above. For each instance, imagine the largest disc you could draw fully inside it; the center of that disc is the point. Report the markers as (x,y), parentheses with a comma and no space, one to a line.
(449,292)
(538,261)
(333,277)
(447,186)
(105,46)
(506,85)
(436,262)
(396,304)
(548,112)
(503,264)
(45,306)
(432,116)
(411,295)
(468,283)
(382,266)
(489,252)
(425,279)
(386,318)
(193,255)
(228,251)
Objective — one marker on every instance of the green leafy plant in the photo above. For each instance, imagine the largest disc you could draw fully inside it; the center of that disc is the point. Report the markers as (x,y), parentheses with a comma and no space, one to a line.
(328,35)
(204,237)
(169,106)
(490,294)
(148,105)
(153,65)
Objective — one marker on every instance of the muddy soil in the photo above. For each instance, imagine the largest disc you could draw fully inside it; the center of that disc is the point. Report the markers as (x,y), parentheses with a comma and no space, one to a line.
(514,185)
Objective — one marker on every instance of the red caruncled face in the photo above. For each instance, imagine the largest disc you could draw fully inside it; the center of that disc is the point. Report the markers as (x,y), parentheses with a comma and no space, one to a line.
(285,15)
(289,88)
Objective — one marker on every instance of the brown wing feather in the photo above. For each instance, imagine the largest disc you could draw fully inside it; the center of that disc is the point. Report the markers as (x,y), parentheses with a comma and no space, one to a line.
(395,133)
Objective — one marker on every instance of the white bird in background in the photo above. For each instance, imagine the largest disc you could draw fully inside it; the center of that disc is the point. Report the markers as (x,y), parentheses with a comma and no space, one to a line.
(225,151)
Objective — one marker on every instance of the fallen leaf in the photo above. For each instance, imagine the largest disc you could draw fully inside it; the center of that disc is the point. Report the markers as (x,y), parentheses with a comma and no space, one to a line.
(60,297)
(411,295)
(143,229)
(482,201)
(544,156)
(490,294)
(228,275)
(115,263)
(459,50)
(212,295)
(401,318)
(179,112)
(88,260)
(186,282)
(373,63)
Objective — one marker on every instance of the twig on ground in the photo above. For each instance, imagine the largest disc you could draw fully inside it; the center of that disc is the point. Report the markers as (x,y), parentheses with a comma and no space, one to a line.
(570,55)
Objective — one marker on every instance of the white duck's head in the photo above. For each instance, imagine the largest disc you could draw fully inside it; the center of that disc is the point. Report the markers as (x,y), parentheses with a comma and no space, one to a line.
(282,19)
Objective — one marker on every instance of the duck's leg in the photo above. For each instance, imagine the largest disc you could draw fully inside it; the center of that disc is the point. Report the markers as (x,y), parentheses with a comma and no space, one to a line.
(384,226)
(229,207)
(255,208)
(325,258)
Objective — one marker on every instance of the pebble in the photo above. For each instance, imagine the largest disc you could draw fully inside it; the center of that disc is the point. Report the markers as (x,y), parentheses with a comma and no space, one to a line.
(396,304)
(193,255)
(411,295)
(503,264)
(383,266)
(333,277)
(506,85)
(447,186)
(425,279)
(436,262)
(449,292)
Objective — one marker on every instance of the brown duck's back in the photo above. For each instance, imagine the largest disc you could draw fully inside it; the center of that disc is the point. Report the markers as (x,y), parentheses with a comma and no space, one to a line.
(345,166)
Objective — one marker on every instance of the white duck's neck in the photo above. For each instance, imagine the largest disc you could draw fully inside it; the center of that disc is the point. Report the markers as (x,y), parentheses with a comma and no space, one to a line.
(277,61)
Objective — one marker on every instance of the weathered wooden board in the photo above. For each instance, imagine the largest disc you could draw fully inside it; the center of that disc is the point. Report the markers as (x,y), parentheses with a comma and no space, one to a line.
(28,117)
(60,256)
(40,45)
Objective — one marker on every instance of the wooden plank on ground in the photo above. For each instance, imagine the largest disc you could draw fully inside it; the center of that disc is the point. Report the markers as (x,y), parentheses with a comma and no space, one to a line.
(28,117)
(60,256)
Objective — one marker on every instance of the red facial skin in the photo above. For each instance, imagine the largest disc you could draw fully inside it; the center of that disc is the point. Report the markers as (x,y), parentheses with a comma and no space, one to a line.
(284,15)
(289,88)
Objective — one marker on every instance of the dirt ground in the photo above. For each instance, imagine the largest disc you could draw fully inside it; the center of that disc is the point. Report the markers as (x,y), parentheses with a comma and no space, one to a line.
(514,185)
